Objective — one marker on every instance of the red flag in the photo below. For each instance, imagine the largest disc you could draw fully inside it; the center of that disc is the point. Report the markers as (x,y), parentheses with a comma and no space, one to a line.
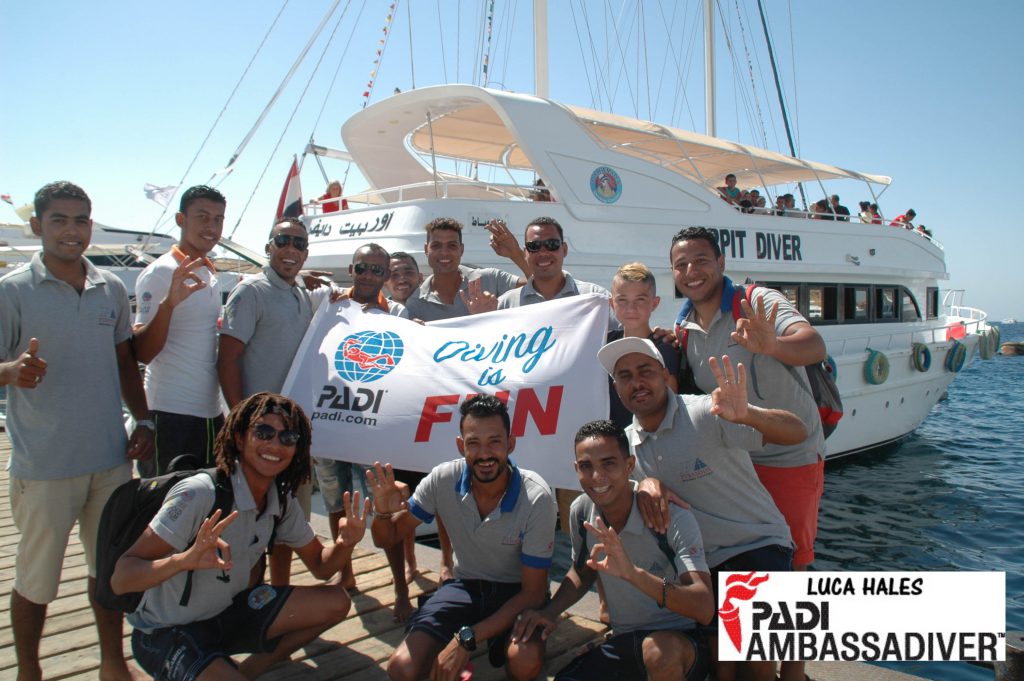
(290,205)
(6,198)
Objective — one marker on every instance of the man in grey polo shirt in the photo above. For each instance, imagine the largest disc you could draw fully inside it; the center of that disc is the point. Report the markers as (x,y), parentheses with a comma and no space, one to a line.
(453,290)
(697,447)
(657,586)
(66,359)
(501,523)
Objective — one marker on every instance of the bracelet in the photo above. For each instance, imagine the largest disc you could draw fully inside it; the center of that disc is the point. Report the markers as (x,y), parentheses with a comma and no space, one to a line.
(146,423)
(385,516)
(664,592)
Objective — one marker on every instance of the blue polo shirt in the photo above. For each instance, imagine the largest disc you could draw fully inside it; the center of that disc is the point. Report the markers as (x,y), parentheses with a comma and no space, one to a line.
(519,531)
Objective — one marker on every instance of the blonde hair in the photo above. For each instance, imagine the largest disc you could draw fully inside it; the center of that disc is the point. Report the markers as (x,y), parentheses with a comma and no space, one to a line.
(636,271)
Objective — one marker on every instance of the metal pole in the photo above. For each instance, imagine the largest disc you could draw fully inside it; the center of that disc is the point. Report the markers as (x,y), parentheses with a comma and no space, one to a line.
(540,48)
(433,157)
(709,67)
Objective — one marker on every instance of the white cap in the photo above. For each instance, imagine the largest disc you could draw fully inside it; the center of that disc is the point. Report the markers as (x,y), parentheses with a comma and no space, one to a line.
(610,354)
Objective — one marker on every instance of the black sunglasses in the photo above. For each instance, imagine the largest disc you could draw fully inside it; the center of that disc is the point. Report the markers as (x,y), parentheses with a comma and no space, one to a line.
(549,244)
(282,240)
(266,432)
(378,270)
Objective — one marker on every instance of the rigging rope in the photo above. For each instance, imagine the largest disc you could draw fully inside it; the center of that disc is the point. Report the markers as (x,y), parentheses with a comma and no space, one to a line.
(487,43)
(383,42)
(440,30)
(412,64)
(760,127)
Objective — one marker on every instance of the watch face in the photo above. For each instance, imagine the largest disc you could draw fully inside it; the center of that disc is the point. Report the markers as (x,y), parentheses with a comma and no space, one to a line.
(467,639)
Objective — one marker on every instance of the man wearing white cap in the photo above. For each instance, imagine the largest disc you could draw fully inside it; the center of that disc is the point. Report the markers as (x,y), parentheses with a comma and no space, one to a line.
(696,447)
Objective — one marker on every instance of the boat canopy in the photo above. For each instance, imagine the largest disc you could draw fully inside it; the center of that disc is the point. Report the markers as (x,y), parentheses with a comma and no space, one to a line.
(468,123)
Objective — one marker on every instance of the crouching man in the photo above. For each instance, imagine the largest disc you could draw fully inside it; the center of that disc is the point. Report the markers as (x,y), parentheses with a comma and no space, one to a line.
(501,522)
(263,449)
(657,585)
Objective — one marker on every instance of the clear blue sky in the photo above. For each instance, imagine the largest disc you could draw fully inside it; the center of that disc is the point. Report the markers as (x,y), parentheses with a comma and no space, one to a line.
(112,95)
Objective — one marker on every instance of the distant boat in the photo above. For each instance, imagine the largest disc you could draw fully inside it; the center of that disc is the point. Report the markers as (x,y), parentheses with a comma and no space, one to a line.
(1009,320)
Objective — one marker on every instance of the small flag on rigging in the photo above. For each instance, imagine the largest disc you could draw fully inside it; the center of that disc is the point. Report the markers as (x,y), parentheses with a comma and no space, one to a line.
(6,198)
(161,195)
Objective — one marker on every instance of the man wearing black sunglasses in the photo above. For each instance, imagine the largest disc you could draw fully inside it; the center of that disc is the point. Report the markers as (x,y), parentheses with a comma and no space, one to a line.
(265,319)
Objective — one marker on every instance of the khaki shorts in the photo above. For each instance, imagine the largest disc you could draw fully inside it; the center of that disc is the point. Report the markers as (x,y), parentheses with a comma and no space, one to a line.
(44,512)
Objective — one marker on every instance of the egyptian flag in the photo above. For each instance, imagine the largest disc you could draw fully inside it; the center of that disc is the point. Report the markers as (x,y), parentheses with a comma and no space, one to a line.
(6,198)
(290,205)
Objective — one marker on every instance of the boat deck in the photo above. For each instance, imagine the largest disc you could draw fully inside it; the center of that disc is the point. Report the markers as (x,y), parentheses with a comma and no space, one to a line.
(357,648)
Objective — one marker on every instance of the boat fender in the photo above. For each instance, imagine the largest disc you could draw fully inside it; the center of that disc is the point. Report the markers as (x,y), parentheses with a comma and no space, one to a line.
(876,369)
(985,347)
(922,357)
(997,338)
(956,357)
(833,368)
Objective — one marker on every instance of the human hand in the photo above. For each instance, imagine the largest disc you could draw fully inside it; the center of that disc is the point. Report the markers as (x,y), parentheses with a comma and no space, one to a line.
(652,500)
(28,370)
(140,444)
(729,400)
(387,494)
(756,329)
(450,662)
(185,281)
(503,241)
(314,279)
(352,526)
(528,621)
(338,294)
(661,335)
(616,561)
(478,300)
(209,551)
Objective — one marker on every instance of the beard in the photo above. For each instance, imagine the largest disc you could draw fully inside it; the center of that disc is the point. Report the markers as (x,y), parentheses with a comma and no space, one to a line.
(499,470)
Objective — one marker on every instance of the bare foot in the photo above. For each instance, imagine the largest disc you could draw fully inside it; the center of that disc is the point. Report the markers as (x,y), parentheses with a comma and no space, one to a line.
(602,614)
(402,610)
(410,573)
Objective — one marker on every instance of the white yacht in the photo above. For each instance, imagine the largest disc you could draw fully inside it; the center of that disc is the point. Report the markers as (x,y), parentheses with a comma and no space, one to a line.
(621,187)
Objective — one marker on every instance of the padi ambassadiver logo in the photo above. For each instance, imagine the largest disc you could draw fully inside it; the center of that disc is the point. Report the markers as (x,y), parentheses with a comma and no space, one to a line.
(862,616)
(367,356)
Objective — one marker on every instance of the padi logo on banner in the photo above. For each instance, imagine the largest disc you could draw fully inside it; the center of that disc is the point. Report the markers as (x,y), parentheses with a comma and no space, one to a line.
(862,616)
(367,356)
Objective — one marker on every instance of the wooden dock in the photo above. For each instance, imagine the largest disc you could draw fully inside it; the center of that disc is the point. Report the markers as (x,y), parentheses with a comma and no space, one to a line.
(357,648)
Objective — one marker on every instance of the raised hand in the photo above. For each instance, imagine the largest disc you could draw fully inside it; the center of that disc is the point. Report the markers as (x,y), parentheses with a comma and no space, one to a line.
(387,494)
(352,526)
(28,370)
(185,281)
(616,561)
(314,279)
(729,400)
(503,241)
(209,551)
(756,329)
(478,300)
(529,621)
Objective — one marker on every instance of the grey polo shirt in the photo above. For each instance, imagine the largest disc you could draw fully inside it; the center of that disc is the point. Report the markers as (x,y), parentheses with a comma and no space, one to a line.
(528,295)
(630,608)
(520,530)
(71,423)
(424,303)
(270,316)
(770,383)
(177,522)
(706,461)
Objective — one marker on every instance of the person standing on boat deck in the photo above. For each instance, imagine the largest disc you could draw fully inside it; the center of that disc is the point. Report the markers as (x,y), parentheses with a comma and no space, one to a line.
(265,318)
(453,290)
(775,342)
(65,327)
(176,335)
(865,214)
(403,277)
(839,209)
(906,220)
(263,452)
(657,586)
(545,253)
(331,202)
(501,521)
(696,448)
(730,192)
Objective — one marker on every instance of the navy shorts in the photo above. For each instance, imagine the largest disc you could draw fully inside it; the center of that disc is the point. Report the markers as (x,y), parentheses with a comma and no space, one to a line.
(621,657)
(180,434)
(461,603)
(182,652)
(771,558)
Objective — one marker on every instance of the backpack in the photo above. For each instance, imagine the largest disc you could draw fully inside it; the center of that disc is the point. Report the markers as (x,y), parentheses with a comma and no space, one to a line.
(820,381)
(660,537)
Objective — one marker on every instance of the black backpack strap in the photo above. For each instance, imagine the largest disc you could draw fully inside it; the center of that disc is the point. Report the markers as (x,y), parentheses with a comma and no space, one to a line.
(583,555)
(666,548)
(224,499)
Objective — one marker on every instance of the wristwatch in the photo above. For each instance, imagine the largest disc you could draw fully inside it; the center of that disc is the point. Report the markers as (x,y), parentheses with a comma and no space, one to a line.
(146,423)
(466,638)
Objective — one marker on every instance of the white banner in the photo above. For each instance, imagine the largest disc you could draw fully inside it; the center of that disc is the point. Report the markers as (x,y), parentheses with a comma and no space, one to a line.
(862,616)
(381,388)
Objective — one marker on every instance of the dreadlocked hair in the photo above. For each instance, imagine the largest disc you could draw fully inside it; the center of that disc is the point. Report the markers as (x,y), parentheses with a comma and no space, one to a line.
(244,415)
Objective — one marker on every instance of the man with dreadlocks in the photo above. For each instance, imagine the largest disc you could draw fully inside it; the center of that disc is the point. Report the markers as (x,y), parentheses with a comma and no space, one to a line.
(263,450)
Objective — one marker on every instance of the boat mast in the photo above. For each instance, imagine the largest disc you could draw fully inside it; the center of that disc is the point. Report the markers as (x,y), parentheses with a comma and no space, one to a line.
(540,48)
(709,67)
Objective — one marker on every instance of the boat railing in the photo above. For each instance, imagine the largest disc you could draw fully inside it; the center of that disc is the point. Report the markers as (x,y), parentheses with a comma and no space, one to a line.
(957,322)
(442,189)
(794,213)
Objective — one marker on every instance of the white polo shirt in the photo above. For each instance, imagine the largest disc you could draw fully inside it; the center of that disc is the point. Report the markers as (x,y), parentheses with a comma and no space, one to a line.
(182,378)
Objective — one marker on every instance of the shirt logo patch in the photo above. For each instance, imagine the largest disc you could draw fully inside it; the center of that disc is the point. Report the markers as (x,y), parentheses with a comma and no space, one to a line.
(512,539)
(108,319)
(261,596)
(700,469)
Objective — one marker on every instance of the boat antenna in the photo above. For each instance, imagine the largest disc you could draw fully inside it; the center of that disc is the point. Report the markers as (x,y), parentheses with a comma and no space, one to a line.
(540,48)
(412,64)
(778,89)
(709,67)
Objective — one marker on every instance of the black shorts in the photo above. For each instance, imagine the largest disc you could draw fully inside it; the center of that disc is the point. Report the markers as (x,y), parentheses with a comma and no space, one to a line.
(771,558)
(621,658)
(464,602)
(180,434)
(182,652)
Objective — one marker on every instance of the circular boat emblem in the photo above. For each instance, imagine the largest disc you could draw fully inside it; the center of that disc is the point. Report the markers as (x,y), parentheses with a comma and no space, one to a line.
(606,185)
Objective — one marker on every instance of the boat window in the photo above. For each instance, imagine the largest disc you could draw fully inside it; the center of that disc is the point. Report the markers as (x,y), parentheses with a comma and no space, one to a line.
(885,303)
(855,304)
(932,301)
(822,303)
(792,293)
(909,311)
